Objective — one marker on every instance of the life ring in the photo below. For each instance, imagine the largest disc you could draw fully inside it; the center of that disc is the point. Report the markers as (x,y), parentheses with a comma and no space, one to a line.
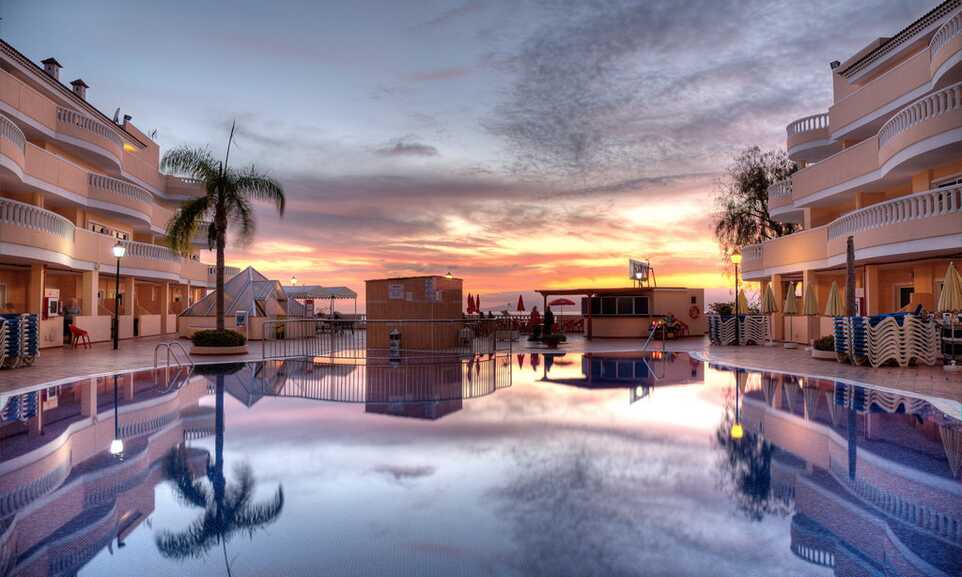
(694,312)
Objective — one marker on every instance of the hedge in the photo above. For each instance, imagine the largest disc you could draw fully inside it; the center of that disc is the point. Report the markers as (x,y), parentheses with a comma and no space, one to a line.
(215,338)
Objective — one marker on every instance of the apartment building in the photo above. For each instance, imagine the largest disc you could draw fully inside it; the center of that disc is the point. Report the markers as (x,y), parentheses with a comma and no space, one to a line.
(73,184)
(884,166)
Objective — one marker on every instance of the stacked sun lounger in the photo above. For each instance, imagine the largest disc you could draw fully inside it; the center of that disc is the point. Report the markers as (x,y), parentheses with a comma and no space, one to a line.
(900,338)
(951,333)
(19,339)
(19,407)
(752,329)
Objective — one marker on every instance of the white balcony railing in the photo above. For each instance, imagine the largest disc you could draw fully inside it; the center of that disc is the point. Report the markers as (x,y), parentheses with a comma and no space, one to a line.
(26,215)
(11,132)
(948,31)
(932,203)
(752,252)
(67,116)
(781,189)
(119,187)
(936,104)
(151,251)
(808,124)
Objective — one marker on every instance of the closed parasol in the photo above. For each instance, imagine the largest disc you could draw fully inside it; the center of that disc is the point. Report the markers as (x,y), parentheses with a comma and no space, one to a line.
(834,307)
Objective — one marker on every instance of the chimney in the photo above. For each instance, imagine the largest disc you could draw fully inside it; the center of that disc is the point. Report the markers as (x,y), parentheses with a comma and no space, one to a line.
(127,118)
(835,64)
(79,88)
(52,68)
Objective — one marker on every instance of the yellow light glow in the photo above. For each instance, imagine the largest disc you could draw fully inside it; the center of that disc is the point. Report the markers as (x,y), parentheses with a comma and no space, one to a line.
(129,147)
(737,431)
(737,258)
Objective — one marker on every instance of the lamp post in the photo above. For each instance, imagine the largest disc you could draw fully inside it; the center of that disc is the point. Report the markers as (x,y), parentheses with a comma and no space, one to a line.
(117,444)
(293,280)
(737,431)
(736,260)
(119,251)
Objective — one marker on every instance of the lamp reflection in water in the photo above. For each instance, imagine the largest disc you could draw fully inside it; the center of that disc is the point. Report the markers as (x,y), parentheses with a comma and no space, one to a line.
(117,444)
(737,431)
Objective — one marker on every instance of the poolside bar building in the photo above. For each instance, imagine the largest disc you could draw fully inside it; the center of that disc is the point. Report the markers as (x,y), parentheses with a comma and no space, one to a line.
(629,311)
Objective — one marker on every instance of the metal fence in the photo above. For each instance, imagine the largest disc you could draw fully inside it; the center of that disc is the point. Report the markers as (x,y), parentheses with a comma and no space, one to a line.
(358,339)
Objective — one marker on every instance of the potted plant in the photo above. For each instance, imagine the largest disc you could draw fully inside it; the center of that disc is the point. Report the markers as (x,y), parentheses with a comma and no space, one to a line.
(552,340)
(824,348)
(215,342)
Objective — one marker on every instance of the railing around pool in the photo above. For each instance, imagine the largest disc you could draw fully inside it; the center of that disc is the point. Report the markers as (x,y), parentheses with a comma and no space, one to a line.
(396,339)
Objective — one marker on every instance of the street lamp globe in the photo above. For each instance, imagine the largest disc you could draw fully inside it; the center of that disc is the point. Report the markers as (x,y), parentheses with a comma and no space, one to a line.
(737,431)
(119,250)
(736,257)
(117,447)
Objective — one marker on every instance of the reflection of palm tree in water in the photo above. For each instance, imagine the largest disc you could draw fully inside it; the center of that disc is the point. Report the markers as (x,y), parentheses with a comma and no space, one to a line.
(746,471)
(228,509)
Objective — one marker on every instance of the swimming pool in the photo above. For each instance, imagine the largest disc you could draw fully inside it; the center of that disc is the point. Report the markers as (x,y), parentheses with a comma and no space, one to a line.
(521,464)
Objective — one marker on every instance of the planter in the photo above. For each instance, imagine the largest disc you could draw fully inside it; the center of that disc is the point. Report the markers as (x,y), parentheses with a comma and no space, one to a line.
(824,355)
(241,350)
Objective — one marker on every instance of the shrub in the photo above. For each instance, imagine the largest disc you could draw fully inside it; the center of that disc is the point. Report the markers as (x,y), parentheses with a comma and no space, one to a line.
(215,338)
(826,343)
(723,309)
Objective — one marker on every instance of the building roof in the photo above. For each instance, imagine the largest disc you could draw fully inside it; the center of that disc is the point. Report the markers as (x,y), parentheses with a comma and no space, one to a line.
(624,291)
(319,292)
(904,37)
(251,292)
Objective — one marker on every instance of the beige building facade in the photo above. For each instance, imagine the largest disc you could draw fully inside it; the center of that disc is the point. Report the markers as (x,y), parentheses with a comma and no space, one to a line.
(73,183)
(884,166)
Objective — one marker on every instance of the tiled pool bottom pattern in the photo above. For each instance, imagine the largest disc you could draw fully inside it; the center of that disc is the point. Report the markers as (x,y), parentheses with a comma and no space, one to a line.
(533,464)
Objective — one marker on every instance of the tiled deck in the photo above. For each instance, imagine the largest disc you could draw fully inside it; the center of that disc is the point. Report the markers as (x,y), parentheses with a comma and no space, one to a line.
(63,363)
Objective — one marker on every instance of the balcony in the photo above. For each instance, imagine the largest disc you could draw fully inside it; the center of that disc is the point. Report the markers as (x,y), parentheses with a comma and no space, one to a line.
(809,139)
(861,113)
(31,232)
(924,223)
(88,131)
(780,202)
(120,192)
(925,133)
(12,145)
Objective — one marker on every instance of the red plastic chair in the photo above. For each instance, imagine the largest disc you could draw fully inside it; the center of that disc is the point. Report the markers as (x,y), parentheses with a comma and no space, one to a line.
(79,336)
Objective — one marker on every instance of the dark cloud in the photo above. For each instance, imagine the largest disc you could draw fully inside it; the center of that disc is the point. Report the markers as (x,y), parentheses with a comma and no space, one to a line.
(403,147)
(440,74)
(650,86)
(405,472)
(450,15)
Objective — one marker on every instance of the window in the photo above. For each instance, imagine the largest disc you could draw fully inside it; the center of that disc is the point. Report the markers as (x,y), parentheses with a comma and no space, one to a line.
(617,306)
(905,295)
(694,300)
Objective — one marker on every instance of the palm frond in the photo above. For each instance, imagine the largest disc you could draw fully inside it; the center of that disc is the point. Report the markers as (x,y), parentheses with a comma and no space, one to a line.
(259,186)
(190,161)
(183,226)
(242,213)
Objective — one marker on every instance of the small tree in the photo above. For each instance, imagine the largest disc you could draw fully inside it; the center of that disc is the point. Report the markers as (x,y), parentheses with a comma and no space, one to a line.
(742,199)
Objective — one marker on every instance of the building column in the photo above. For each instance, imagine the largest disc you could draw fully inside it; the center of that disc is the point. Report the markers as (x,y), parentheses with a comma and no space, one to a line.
(873,298)
(90,285)
(88,398)
(778,324)
(38,273)
(811,323)
(36,199)
(190,300)
(130,284)
(164,307)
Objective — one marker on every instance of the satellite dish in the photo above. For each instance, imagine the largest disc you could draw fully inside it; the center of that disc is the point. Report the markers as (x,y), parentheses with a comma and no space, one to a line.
(117,115)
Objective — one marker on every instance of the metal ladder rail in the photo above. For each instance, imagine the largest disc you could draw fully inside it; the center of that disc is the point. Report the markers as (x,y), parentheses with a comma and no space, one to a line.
(172,354)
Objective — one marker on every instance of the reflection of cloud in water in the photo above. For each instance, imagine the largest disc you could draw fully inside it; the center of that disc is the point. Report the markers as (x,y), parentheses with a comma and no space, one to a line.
(601,505)
(402,473)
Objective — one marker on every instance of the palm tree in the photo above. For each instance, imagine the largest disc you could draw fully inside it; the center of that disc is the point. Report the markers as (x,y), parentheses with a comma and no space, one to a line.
(228,201)
(227,509)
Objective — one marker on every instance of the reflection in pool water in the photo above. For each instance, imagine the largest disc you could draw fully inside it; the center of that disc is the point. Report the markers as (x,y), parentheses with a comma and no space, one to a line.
(558,464)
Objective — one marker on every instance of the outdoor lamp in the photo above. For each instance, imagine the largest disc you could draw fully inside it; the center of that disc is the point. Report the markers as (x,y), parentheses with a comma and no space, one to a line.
(737,431)
(449,275)
(736,257)
(117,447)
(293,280)
(119,251)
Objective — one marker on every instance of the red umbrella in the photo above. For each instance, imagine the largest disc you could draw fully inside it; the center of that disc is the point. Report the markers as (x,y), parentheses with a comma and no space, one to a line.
(477,304)
(470,304)
(520,308)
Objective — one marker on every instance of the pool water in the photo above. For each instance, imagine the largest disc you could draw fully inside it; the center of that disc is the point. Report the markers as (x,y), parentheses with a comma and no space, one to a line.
(522,464)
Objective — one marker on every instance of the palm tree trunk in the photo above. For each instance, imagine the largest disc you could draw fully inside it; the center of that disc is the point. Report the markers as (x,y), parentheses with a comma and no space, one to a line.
(850,277)
(221,224)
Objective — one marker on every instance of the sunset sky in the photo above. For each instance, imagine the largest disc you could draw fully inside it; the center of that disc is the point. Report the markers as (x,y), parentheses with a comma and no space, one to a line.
(517,144)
